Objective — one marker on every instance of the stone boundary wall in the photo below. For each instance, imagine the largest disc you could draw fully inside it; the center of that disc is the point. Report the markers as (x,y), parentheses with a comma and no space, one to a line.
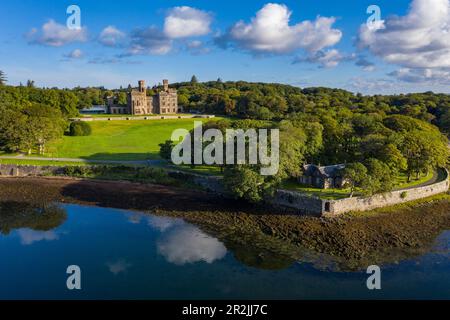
(304,204)
(336,207)
(13,170)
(90,119)
(314,205)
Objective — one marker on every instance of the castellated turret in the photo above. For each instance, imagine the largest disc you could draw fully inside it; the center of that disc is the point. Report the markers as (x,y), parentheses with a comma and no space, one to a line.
(166,84)
(142,86)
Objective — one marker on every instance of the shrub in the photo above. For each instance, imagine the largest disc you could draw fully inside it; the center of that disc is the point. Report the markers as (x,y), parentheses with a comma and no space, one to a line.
(404,194)
(153,175)
(78,171)
(80,128)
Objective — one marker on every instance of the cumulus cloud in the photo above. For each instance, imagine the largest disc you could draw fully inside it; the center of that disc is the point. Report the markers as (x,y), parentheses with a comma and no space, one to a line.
(326,59)
(188,244)
(111,36)
(369,86)
(75,54)
(432,76)
(269,32)
(182,22)
(56,35)
(149,41)
(418,40)
(28,236)
(365,64)
(197,47)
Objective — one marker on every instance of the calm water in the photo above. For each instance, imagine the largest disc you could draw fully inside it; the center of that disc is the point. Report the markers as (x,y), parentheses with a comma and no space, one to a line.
(124,254)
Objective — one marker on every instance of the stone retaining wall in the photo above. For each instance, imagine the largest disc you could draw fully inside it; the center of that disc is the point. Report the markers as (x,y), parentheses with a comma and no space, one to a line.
(304,204)
(12,170)
(382,200)
(312,205)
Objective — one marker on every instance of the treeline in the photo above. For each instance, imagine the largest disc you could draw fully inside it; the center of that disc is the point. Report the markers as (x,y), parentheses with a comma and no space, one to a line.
(265,101)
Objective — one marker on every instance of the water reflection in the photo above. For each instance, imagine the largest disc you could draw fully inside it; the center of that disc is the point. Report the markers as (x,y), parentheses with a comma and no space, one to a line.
(182,243)
(28,236)
(188,244)
(33,223)
(119,266)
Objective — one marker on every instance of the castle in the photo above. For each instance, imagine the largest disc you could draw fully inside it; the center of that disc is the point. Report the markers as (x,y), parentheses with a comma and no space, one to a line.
(164,101)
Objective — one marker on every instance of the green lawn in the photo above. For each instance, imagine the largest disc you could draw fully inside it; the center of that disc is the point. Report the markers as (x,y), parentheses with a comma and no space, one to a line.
(329,194)
(402,180)
(120,140)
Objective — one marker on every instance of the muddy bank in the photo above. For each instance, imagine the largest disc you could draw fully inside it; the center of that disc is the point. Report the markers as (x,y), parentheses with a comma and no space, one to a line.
(256,234)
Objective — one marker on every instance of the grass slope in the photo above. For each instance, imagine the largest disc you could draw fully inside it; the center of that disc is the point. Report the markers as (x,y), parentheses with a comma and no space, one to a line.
(119,140)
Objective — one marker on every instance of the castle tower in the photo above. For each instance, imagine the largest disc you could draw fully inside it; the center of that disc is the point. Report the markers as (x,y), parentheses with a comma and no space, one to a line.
(166,85)
(142,86)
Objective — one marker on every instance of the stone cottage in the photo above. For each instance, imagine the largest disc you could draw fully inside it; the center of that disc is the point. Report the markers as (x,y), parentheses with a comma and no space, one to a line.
(324,177)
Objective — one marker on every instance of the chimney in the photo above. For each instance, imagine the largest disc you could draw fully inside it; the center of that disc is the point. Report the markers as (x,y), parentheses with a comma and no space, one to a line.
(166,85)
(141,85)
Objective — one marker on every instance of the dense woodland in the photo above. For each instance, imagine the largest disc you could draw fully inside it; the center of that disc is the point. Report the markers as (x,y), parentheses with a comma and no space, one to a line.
(378,136)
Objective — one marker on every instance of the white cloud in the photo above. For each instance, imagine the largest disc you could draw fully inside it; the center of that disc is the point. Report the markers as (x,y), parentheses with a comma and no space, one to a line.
(269,32)
(326,59)
(28,236)
(56,35)
(369,86)
(197,47)
(188,244)
(75,54)
(420,39)
(149,41)
(365,64)
(183,22)
(432,76)
(111,36)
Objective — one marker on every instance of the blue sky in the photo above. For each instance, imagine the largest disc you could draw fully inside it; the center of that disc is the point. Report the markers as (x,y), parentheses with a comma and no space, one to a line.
(303,43)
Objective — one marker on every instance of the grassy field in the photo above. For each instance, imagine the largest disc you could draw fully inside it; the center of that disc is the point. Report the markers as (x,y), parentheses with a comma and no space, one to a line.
(119,140)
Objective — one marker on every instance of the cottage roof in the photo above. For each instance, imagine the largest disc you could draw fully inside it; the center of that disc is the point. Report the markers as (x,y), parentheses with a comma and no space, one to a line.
(325,171)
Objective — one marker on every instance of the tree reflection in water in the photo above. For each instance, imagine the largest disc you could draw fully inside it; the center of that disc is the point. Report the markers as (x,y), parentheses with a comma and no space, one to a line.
(17,215)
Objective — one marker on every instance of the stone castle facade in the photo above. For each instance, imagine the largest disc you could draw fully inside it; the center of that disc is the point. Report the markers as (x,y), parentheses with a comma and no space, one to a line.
(164,101)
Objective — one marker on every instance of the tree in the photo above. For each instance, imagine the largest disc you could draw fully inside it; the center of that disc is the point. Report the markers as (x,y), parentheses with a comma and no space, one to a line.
(122,98)
(247,183)
(380,177)
(194,80)
(2,78)
(424,152)
(165,149)
(43,124)
(354,175)
(292,150)
(30,83)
